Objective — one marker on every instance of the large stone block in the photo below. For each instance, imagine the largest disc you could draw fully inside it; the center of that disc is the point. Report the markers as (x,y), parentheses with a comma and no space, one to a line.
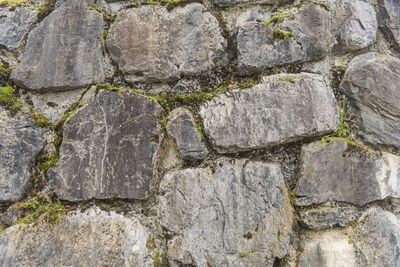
(15,25)
(109,149)
(342,171)
(260,46)
(285,108)
(237,214)
(20,143)
(90,238)
(64,51)
(151,43)
(389,19)
(371,81)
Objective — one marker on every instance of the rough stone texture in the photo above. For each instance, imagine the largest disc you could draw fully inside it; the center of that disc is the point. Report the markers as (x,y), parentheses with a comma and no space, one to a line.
(286,107)
(182,129)
(377,238)
(252,2)
(328,249)
(15,25)
(326,217)
(311,39)
(344,172)
(389,19)
(109,148)
(90,238)
(20,143)
(359,29)
(153,44)
(236,215)
(371,81)
(64,52)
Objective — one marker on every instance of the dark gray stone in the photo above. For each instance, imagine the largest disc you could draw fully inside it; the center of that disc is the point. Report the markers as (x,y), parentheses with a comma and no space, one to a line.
(64,51)
(389,19)
(226,3)
(109,148)
(311,39)
(182,129)
(15,25)
(10,216)
(371,81)
(285,108)
(238,214)
(346,172)
(20,143)
(151,43)
(90,238)
(326,217)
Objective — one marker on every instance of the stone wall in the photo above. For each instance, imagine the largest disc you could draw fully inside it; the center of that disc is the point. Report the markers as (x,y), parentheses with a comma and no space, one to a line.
(200,133)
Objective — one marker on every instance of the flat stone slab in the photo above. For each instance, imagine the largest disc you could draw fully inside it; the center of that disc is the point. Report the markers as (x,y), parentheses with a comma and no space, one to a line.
(389,19)
(15,25)
(64,51)
(285,108)
(182,129)
(371,82)
(344,172)
(236,214)
(153,44)
(90,238)
(109,148)
(327,217)
(260,47)
(20,143)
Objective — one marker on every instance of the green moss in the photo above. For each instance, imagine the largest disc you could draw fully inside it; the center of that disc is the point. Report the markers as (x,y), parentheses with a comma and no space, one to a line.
(281,34)
(47,161)
(40,120)
(9,100)
(109,19)
(104,36)
(15,3)
(6,70)
(278,18)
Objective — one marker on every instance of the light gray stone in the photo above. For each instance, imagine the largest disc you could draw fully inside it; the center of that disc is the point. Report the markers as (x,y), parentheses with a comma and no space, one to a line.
(327,217)
(237,214)
(225,3)
(359,28)
(109,148)
(311,39)
(182,129)
(346,172)
(64,51)
(90,238)
(377,239)
(389,19)
(151,43)
(20,142)
(15,25)
(285,108)
(371,81)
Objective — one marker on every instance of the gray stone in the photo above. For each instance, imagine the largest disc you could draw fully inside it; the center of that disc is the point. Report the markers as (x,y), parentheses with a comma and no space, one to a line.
(225,3)
(389,19)
(237,214)
(182,129)
(326,217)
(346,172)
(359,28)
(371,81)
(109,148)
(285,108)
(311,39)
(377,239)
(10,216)
(90,238)
(151,43)
(15,25)
(20,142)
(64,51)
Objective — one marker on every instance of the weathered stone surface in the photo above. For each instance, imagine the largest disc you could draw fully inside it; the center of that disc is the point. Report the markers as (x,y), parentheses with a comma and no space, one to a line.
(311,39)
(64,51)
(90,238)
(344,172)
(15,25)
(359,29)
(328,249)
(20,143)
(182,129)
(244,2)
(389,19)
(153,44)
(109,148)
(326,217)
(237,215)
(285,108)
(377,238)
(371,81)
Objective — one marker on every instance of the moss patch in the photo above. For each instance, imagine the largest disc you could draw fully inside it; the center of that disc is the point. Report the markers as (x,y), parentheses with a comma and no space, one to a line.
(280,34)
(9,100)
